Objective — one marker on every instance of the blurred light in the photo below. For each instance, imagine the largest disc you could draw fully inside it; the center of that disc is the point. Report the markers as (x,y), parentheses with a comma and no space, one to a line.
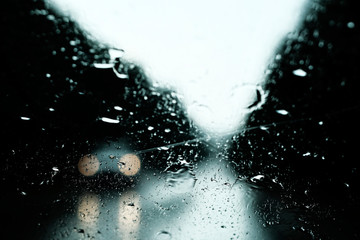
(88,165)
(129,215)
(88,208)
(129,164)
(300,73)
(350,24)
(203,49)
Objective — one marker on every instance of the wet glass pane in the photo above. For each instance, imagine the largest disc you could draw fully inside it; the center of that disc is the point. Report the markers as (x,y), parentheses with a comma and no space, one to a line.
(183,120)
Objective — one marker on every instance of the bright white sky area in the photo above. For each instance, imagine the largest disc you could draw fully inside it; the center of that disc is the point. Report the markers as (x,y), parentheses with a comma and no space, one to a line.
(213,53)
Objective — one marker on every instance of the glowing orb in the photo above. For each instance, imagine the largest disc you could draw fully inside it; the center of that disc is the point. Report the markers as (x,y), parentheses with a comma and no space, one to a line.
(129,164)
(88,165)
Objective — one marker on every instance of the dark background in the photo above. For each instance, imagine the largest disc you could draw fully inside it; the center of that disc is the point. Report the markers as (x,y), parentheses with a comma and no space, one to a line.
(309,156)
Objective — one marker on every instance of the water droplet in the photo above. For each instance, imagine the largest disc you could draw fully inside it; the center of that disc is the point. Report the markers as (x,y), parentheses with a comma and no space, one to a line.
(118,108)
(163,148)
(254,93)
(163,235)
(167,130)
(257,178)
(109,120)
(81,230)
(299,73)
(72,42)
(282,112)
(103,65)
(115,53)
(51,17)
(264,128)
(39,12)
(351,25)
(120,75)
(180,178)
(150,128)
(51,109)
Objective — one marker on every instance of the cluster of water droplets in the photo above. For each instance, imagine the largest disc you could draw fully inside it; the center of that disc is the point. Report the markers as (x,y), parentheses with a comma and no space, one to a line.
(180,176)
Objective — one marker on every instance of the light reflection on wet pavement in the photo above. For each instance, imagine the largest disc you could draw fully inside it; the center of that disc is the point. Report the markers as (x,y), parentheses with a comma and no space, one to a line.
(216,206)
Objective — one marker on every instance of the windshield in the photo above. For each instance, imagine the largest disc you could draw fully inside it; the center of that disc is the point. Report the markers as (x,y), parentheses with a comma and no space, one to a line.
(204,121)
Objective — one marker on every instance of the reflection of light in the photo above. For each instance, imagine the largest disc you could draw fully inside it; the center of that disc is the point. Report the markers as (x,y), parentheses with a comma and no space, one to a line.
(129,215)
(129,164)
(88,208)
(88,165)
(109,120)
(217,207)
(191,48)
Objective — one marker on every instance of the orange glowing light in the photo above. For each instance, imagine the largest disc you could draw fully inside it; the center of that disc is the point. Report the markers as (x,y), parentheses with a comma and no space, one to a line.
(129,164)
(88,165)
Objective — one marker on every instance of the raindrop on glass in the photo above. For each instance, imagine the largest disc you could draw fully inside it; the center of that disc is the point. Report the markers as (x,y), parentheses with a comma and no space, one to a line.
(180,179)
(282,112)
(163,235)
(299,73)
